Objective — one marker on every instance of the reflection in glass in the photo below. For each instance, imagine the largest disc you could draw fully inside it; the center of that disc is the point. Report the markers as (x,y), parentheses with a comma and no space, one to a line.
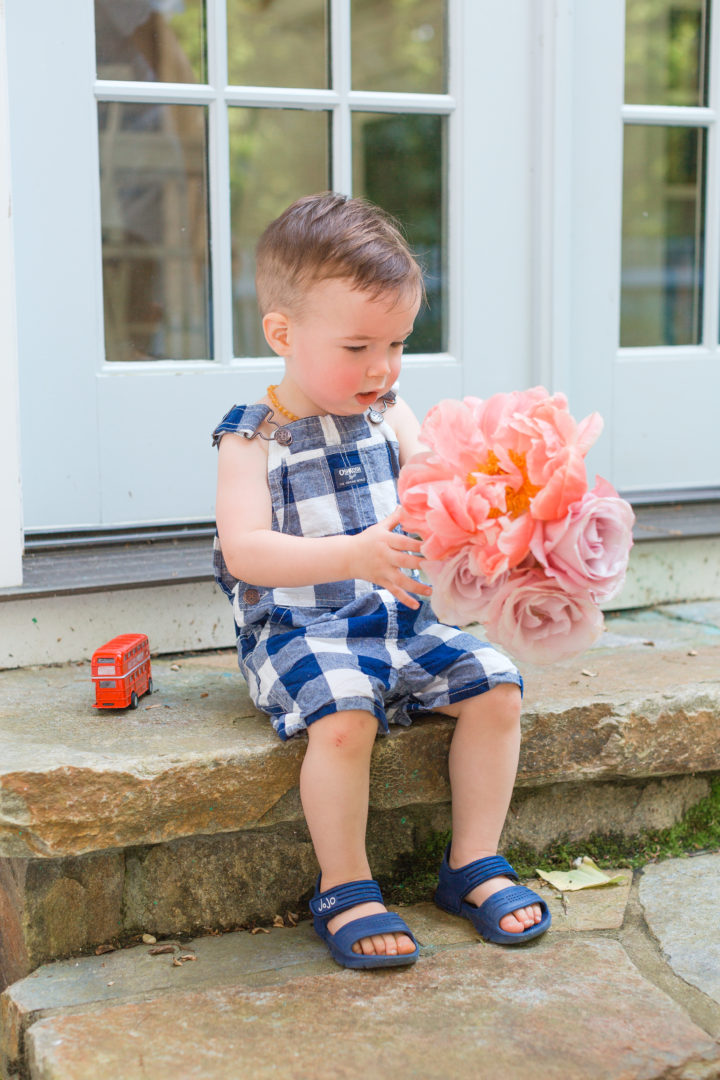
(278,43)
(663,224)
(151,40)
(666,46)
(399,45)
(154,202)
(398,164)
(276,156)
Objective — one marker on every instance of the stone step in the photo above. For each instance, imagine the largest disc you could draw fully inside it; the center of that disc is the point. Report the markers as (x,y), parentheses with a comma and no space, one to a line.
(603,996)
(185,814)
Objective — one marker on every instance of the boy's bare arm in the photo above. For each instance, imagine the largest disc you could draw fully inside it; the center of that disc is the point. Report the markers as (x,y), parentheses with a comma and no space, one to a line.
(405,424)
(255,553)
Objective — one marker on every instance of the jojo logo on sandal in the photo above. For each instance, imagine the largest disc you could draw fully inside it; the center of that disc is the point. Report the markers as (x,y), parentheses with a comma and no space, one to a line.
(326,905)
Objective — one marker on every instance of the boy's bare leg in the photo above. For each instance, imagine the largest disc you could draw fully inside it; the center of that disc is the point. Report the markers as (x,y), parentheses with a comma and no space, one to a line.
(483,763)
(334,788)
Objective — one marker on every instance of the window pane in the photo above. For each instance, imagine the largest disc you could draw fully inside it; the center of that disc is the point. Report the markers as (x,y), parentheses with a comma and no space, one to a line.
(666,45)
(156,261)
(147,41)
(278,43)
(276,155)
(663,222)
(398,163)
(399,45)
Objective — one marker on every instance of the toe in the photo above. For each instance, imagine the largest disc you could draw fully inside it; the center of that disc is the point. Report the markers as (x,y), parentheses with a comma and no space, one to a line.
(511,924)
(405,944)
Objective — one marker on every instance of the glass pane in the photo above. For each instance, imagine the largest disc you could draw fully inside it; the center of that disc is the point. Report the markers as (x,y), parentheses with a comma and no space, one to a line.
(156,260)
(278,43)
(666,48)
(276,155)
(398,163)
(399,45)
(663,223)
(151,40)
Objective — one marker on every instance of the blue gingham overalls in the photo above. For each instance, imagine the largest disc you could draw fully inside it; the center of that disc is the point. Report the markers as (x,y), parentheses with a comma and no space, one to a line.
(308,651)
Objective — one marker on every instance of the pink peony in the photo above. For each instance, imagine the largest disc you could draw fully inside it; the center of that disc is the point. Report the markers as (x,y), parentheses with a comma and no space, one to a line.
(538,621)
(537,447)
(589,548)
(421,476)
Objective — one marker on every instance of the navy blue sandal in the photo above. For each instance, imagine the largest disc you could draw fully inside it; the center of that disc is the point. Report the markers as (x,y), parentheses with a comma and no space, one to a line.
(325,905)
(454,885)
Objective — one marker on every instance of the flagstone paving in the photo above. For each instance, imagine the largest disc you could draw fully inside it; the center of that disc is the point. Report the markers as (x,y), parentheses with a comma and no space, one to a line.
(570,1006)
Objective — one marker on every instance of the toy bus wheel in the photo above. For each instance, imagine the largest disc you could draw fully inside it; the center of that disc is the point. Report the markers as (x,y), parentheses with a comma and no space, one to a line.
(150,686)
(133,700)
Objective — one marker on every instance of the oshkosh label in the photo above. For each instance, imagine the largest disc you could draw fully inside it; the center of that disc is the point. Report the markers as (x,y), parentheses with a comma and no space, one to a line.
(347,476)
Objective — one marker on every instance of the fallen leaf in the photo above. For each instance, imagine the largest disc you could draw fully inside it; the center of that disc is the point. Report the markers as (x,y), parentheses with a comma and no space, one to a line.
(292,918)
(648,642)
(176,962)
(149,939)
(259,930)
(186,956)
(585,875)
(692,652)
(206,694)
(103,949)
(160,949)
(174,667)
(590,674)
(278,921)
(152,707)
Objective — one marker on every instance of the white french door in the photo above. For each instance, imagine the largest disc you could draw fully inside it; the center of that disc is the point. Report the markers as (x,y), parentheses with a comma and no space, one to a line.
(641,232)
(152,140)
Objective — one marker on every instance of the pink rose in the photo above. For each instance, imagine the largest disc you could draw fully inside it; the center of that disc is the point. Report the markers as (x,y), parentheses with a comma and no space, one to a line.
(538,621)
(590,547)
(459,593)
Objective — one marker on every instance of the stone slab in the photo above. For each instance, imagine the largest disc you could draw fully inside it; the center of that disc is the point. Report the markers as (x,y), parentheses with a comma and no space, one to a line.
(197,758)
(553,1011)
(680,901)
(601,908)
(268,956)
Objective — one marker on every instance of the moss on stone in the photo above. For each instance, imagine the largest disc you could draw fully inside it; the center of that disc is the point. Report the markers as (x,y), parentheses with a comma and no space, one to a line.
(414,876)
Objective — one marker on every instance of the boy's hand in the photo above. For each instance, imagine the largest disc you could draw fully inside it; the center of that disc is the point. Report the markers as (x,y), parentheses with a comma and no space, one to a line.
(380,555)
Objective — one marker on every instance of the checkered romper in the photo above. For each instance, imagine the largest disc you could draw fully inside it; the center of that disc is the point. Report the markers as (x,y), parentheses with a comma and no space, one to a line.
(313,650)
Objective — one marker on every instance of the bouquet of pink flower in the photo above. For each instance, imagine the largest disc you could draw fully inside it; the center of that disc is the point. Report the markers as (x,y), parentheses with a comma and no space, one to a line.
(512,536)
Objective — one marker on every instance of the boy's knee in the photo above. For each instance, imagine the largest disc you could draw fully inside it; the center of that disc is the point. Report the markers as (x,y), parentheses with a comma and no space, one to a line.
(346,731)
(502,705)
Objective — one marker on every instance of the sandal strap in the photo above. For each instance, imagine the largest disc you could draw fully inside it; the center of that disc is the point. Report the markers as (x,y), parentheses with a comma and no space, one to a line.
(385,923)
(475,873)
(331,902)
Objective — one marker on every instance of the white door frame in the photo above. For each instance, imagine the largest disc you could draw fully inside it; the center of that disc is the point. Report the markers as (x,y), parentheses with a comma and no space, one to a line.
(11,536)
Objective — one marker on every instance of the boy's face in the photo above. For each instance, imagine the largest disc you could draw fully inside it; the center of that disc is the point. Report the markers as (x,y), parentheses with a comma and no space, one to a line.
(344,351)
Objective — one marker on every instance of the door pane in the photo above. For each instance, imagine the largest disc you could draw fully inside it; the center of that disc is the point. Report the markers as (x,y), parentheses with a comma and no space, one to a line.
(276,156)
(666,48)
(399,45)
(398,163)
(151,42)
(663,224)
(278,43)
(156,259)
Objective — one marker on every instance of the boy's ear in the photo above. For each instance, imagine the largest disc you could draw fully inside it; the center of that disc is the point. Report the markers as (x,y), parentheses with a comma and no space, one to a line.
(276,328)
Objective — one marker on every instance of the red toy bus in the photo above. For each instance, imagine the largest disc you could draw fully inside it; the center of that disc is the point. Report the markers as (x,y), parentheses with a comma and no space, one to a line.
(121,672)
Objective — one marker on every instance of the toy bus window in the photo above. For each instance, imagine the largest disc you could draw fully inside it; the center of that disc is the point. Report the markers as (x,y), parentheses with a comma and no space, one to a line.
(107,684)
(106,667)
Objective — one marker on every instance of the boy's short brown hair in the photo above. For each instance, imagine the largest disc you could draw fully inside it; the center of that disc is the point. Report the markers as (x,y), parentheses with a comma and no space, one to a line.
(332,236)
